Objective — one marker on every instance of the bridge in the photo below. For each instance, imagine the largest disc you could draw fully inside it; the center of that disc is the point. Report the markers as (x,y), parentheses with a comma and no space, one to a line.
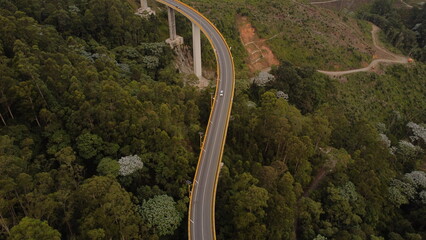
(201,224)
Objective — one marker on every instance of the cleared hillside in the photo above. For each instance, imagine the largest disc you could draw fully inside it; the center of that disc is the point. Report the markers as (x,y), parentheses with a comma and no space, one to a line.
(305,34)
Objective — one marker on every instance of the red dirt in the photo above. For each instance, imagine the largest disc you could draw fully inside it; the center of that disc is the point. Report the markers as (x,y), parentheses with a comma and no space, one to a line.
(260,55)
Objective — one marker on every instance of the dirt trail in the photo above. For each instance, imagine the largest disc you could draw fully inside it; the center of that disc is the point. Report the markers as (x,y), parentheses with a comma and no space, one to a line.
(318,178)
(330,1)
(406,4)
(385,57)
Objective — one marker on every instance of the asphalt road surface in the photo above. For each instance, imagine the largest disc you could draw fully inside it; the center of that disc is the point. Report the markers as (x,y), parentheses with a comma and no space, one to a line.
(201,212)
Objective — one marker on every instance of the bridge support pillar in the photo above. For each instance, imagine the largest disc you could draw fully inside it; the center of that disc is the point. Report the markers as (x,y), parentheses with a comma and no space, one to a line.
(196,45)
(144,10)
(174,39)
(144,4)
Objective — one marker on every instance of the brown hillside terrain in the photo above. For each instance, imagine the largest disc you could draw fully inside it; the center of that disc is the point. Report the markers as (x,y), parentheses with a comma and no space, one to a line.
(260,55)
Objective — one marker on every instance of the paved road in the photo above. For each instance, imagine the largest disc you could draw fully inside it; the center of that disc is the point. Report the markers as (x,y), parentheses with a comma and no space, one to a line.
(201,210)
(392,58)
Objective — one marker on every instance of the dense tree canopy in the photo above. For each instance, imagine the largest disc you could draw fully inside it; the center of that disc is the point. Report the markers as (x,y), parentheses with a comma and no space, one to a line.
(32,229)
(100,135)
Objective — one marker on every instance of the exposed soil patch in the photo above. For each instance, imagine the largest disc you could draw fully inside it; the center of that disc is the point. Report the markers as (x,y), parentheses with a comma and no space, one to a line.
(260,55)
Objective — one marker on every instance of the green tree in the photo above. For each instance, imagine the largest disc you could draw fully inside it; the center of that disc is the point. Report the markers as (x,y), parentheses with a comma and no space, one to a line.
(160,212)
(281,212)
(108,166)
(104,204)
(309,220)
(33,229)
(89,145)
(249,203)
(321,237)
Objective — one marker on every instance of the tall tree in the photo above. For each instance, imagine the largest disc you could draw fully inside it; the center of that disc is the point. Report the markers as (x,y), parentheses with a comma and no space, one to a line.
(30,228)
(103,204)
(160,211)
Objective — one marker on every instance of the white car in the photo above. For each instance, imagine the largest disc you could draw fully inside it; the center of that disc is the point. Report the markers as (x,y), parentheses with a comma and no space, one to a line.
(221,93)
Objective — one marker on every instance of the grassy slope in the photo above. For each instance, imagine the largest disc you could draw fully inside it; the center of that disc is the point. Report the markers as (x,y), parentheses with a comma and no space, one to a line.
(134,4)
(367,95)
(307,35)
(377,97)
(344,5)
(414,2)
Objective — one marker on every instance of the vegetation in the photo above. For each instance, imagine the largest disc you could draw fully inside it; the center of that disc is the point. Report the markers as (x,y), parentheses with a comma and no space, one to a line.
(328,172)
(406,30)
(100,135)
(161,213)
(29,228)
(298,33)
(397,96)
(88,88)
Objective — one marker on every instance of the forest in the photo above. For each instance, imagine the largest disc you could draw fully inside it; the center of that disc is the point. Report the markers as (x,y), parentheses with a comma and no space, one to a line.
(100,136)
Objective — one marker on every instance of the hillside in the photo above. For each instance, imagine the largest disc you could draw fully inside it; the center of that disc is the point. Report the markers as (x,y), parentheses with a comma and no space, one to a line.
(378,98)
(100,133)
(341,5)
(302,34)
(353,6)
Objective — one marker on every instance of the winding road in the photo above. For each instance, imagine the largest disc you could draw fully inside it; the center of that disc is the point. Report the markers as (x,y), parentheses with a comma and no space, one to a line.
(201,224)
(391,58)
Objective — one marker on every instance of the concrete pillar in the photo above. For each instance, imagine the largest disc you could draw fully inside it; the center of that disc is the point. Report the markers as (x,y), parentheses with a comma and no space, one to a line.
(196,45)
(174,39)
(144,4)
(172,23)
(144,10)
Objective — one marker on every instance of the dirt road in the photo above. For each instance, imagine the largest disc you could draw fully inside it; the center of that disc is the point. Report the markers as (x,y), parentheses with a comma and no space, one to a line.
(388,57)
(330,1)
(406,4)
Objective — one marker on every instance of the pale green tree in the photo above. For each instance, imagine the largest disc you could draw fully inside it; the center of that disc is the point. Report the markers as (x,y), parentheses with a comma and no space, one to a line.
(88,145)
(108,166)
(33,229)
(160,211)
(320,237)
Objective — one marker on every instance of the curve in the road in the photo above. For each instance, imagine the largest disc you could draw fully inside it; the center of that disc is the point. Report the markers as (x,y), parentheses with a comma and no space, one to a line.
(201,225)
(395,59)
